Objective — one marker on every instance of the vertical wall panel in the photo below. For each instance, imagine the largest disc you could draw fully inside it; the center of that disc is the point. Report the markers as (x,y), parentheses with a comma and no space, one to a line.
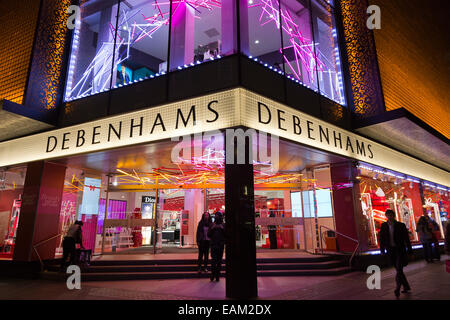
(18,21)
(362,60)
(413,47)
(46,81)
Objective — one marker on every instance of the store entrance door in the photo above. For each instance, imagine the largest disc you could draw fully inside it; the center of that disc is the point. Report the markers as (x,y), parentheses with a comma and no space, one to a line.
(155,220)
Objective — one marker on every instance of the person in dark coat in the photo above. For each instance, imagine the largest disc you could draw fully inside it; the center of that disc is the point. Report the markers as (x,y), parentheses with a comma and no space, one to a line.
(434,239)
(217,235)
(394,240)
(272,232)
(447,235)
(73,236)
(203,241)
(426,236)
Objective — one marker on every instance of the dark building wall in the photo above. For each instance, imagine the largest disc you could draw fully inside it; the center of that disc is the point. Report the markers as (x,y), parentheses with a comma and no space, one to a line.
(363,80)
(18,21)
(413,48)
(48,67)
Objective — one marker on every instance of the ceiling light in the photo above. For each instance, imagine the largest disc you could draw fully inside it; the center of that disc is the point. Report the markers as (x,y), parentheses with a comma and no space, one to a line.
(256,41)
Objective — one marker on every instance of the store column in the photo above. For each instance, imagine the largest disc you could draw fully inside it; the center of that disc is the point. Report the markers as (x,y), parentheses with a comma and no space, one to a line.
(241,278)
(194,204)
(347,206)
(41,206)
(229,27)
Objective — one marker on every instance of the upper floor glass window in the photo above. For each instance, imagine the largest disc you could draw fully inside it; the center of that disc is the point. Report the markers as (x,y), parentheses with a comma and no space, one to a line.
(91,60)
(141,41)
(117,43)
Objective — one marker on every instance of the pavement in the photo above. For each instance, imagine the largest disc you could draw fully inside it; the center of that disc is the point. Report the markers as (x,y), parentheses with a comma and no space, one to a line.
(428,282)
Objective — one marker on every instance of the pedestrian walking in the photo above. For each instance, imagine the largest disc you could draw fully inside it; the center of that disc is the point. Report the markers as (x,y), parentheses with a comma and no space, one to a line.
(434,226)
(72,238)
(203,241)
(394,241)
(425,236)
(447,235)
(217,235)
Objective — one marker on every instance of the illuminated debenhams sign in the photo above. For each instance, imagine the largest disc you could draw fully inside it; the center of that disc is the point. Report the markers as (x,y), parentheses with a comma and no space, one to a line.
(118,129)
(313,131)
(232,108)
(147,125)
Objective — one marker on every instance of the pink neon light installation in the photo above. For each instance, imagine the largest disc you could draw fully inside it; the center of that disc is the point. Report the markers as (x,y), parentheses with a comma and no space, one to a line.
(307,59)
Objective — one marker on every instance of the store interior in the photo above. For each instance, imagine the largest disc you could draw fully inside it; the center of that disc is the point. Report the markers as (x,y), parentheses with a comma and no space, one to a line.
(144,187)
(145,184)
(12,181)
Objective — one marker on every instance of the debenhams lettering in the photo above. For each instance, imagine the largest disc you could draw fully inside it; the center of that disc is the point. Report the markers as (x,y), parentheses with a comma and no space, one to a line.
(145,124)
(313,131)
(129,129)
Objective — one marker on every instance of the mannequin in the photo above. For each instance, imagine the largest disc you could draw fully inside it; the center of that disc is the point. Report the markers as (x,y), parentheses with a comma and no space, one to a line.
(404,209)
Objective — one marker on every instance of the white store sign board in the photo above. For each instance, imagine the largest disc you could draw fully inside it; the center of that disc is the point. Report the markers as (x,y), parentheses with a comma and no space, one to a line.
(236,107)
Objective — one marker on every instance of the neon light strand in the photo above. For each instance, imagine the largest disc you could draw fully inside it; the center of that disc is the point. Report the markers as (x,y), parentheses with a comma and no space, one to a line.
(130,33)
(307,59)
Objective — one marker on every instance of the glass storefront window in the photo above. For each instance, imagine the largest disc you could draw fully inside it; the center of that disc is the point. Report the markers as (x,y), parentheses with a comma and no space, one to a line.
(141,43)
(260,32)
(92,55)
(118,43)
(329,70)
(290,215)
(201,32)
(11,189)
(437,206)
(298,45)
(382,190)
(408,197)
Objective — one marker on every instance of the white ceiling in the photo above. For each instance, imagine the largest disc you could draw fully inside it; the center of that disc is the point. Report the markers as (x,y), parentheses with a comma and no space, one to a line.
(406,136)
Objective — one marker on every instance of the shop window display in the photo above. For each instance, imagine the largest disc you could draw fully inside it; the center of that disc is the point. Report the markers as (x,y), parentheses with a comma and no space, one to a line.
(11,190)
(437,205)
(307,197)
(382,189)
(93,52)
(201,31)
(118,43)
(327,54)
(260,32)
(142,41)
(298,44)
